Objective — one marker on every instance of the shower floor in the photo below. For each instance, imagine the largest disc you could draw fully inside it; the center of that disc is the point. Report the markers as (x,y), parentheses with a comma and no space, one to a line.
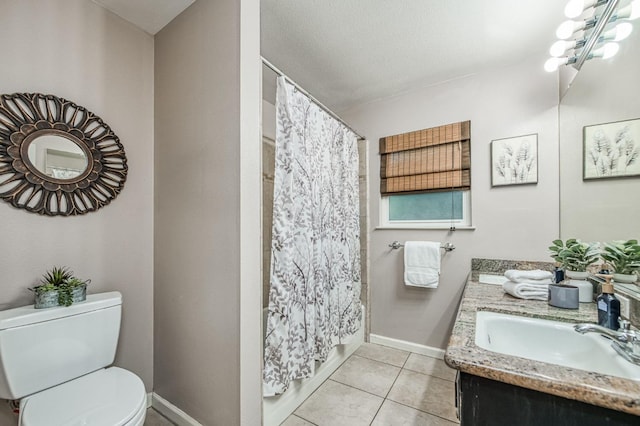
(378,385)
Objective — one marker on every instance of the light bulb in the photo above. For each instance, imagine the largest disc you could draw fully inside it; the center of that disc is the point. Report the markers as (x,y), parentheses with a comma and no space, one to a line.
(609,50)
(560,47)
(553,64)
(567,28)
(605,52)
(575,7)
(630,11)
(619,33)
(623,31)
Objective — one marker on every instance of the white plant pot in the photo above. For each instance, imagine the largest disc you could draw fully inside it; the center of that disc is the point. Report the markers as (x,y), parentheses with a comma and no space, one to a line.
(575,275)
(625,278)
(585,290)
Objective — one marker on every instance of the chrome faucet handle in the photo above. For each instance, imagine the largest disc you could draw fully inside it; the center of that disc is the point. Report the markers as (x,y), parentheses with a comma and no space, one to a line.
(625,325)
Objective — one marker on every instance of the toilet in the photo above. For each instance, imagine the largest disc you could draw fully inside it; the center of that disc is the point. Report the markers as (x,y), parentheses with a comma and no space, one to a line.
(56,362)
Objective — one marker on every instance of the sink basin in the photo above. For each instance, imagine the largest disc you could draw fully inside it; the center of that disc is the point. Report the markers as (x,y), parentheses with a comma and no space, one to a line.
(552,342)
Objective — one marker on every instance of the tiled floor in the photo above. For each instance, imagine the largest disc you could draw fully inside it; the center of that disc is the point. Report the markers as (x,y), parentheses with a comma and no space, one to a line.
(382,386)
(156,419)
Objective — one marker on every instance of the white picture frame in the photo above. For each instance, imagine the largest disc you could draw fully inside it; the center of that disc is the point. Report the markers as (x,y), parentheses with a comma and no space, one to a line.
(514,161)
(611,150)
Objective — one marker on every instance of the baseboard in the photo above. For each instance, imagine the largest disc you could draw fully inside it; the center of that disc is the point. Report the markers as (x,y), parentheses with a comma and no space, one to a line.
(149,399)
(172,412)
(407,346)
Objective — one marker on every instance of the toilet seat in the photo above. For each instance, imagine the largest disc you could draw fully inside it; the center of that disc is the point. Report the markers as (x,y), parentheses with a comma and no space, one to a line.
(107,397)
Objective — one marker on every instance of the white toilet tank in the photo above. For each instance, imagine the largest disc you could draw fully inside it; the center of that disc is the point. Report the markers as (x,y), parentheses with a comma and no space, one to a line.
(41,348)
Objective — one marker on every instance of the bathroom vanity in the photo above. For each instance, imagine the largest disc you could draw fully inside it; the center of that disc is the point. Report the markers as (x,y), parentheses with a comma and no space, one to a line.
(498,389)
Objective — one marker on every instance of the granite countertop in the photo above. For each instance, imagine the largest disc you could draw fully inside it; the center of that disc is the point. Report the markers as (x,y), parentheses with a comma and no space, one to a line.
(593,388)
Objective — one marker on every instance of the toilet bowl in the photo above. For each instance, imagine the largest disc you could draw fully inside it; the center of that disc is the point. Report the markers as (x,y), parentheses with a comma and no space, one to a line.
(54,361)
(107,397)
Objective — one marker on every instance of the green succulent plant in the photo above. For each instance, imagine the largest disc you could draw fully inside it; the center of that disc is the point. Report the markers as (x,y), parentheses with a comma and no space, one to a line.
(62,280)
(623,256)
(574,254)
(57,276)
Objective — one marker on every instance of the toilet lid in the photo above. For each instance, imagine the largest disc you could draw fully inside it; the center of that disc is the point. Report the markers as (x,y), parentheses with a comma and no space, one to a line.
(108,397)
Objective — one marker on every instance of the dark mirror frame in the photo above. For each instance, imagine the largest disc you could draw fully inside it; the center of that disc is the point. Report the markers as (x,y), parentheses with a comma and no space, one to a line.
(24,117)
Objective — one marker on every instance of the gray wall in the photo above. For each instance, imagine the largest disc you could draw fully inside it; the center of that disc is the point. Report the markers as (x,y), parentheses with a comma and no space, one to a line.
(199,208)
(514,222)
(603,91)
(79,51)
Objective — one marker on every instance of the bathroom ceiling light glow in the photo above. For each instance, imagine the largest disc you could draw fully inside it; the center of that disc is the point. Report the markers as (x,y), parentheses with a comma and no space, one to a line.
(592,32)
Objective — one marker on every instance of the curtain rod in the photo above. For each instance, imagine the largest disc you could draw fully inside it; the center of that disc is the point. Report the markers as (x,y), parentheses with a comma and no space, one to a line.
(317,102)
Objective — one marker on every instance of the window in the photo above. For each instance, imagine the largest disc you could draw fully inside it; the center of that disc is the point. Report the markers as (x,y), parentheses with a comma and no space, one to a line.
(426,177)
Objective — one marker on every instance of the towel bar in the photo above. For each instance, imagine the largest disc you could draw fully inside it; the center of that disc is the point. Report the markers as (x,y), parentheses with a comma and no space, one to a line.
(446,246)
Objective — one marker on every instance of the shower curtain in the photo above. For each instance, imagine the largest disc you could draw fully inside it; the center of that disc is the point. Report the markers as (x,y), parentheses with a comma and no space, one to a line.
(314,299)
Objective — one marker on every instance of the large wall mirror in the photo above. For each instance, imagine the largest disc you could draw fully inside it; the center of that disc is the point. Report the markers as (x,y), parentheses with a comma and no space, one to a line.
(57,158)
(605,208)
(602,92)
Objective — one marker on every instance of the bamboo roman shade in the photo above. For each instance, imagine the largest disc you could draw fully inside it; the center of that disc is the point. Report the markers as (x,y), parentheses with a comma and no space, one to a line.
(428,160)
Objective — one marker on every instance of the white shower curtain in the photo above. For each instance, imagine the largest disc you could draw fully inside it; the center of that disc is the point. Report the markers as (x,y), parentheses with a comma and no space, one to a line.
(314,300)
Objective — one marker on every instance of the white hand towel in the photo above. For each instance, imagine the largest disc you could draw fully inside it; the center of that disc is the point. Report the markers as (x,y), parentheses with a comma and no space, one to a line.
(534,276)
(421,264)
(527,291)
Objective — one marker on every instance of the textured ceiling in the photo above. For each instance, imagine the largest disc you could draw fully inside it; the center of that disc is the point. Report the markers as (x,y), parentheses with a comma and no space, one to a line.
(347,53)
(150,15)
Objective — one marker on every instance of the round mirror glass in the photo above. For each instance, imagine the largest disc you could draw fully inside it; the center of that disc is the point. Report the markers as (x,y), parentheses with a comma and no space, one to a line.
(57,157)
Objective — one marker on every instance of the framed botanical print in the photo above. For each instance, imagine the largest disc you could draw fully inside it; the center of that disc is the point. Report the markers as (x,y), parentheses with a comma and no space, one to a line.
(514,161)
(611,150)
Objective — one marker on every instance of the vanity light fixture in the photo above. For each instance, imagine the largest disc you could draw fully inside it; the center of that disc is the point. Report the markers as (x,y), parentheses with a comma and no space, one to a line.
(597,32)
(605,52)
(618,33)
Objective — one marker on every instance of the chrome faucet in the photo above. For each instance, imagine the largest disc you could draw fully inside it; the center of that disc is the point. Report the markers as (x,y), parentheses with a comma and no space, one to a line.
(626,342)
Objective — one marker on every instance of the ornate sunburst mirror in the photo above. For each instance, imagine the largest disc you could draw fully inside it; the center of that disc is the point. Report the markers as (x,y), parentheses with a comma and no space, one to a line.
(57,158)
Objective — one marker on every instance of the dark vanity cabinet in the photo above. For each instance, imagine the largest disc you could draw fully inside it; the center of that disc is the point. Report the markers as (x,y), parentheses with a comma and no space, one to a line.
(485,402)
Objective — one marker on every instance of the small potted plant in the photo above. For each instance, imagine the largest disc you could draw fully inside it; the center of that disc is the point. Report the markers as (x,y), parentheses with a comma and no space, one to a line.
(624,258)
(59,288)
(575,256)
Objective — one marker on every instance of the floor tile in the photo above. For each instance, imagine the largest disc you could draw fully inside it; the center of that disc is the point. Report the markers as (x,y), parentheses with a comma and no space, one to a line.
(154,418)
(335,404)
(426,393)
(383,354)
(394,414)
(367,375)
(294,420)
(431,366)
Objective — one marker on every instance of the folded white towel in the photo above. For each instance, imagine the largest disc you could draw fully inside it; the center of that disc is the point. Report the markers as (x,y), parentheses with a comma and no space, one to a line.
(421,263)
(527,291)
(534,276)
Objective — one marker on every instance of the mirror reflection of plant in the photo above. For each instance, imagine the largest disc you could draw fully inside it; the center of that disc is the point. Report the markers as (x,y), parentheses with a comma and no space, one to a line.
(608,157)
(60,279)
(515,166)
(574,255)
(623,256)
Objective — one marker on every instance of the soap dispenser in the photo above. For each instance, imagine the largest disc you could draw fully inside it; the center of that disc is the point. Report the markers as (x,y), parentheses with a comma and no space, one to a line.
(608,305)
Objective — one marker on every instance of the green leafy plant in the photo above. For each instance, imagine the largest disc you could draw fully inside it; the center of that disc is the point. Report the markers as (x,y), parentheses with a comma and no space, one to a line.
(574,255)
(62,280)
(623,256)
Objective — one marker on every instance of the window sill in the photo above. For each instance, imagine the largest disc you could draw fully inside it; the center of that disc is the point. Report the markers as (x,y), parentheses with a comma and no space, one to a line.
(423,227)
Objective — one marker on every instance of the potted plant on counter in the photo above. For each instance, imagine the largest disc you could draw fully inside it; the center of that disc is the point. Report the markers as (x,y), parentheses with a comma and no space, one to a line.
(624,258)
(59,288)
(575,256)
